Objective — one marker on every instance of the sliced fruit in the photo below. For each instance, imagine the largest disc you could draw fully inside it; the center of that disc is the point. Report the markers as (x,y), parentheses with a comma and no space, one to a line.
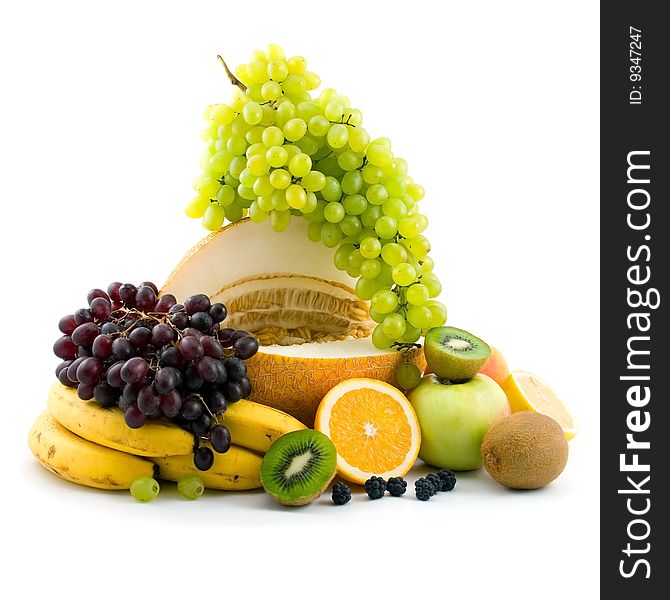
(526,391)
(298,467)
(314,331)
(455,354)
(80,461)
(373,426)
(237,469)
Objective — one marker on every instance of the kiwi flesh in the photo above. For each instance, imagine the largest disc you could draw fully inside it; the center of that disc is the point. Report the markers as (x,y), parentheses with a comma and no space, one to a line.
(454,354)
(298,467)
(525,451)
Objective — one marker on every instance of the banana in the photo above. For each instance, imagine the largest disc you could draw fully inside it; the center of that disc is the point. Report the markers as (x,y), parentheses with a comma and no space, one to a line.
(83,462)
(106,426)
(237,469)
(256,426)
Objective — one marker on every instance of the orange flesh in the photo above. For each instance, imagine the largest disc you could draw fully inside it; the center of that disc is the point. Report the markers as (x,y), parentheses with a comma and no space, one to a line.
(370,430)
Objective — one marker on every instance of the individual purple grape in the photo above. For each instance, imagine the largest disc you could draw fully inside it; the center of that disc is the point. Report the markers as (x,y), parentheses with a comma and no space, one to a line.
(127,293)
(191,348)
(226,337)
(218,312)
(201,321)
(180,320)
(191,409)
(171,403)
(161,335)
(72,369)
(245,386)
(83,315)
(132,390)
(65,349)
(165,303)
(246,347)
(151,285)
(67,324)
(106,395)
(171,357)
(239,334)
(108,328)
(96,293)
(206,368)
(114,375)
(192,381)
(196,333)
(222,374)
(140,337)
(175,308)
(232,391)
(101,308)
(122,349)
(85,334)
(134,417)
(216,402)
(197,303)
(90,371)
(63,365)
(129,322)
(134,370)
(201,425)
(145,298)
(211,346)
(113,290)
(124,403)
(65,380)
(219,438)
(85,391)
(236,368)
(148,401)
(167,379)
(157,414)
(203,458)
(102,346)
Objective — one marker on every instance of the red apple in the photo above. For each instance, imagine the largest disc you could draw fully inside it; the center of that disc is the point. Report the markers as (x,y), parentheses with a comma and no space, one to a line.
(496,367)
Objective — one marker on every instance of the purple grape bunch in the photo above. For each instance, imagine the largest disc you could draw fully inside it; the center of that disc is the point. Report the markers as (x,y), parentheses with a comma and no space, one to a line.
(154,358)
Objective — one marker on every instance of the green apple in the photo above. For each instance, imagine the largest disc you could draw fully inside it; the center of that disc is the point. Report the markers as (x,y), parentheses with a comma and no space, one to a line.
(454,418)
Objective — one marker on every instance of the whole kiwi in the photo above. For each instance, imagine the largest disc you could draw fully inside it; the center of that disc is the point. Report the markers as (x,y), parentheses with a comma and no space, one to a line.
(525,451)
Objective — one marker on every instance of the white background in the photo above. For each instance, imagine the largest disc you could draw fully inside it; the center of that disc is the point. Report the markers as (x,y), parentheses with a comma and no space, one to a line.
(494,105)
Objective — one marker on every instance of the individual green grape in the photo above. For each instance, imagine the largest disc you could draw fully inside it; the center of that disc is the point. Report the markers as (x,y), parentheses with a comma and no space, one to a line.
(296,197)
(277,70)
(350,225)
(341,258)
(257,71)
(308,145)
(214,216)
(270,91)
(265,203)
(419,316)
(370,247)
(318,125)
(276,156)
(262,186)
(330,234)
(255,149)
(234,212)
(314,231)
(221,114)
(379,339)
(350,160)
(269,116)
(417,294)
(252,113)
(220,161)
(376,194)
(371,215)
(379,155)
(144,489)
(307,110)
(337,136)
(255,134)
(394,326)
(295,129)
(427,264)
(333,111)
(236,145)
(352,182)
(207,187)
(280,219)
(292,151)
(300,165)
(438,313)
(334,212)
(370,268)
(284,113)
(191,487)
(416,191)
(326,96)
(395,185)
(239,126)
(297,65)
(393,254)
(256,214)
(247,178)
(272,136)
(433,284)
(353,116)
(372,175)
(238,100)
(376,317)
(384,301)
(313,181)
(331,191)
(411,335)
(280,179)
(294,85)
(366,288)
(386,227)
(407,376)
(358,139)
(419,246)
(279,200)
(316,215)
(196,208)
(355,204)
(408,228)
(328,166)
(257,165)
(312,80)
(355,259)
(226,195)
(404,274)
(394,208)
(245,193)
(311,203)
(230,179)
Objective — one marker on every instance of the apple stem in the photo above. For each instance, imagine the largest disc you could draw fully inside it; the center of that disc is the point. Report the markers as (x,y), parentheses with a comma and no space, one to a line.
(234,80)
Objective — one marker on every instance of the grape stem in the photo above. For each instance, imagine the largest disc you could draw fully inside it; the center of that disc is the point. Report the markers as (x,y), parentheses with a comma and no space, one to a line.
(234,80)
(406,346)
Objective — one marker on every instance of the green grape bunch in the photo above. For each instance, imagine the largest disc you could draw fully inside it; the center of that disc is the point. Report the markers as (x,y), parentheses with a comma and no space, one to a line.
(276,151)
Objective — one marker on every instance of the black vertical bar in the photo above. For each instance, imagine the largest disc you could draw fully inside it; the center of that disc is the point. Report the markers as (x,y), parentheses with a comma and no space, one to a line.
(635,338)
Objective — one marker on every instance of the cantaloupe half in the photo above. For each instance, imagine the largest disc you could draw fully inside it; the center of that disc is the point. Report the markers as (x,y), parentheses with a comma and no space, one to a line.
(314,331)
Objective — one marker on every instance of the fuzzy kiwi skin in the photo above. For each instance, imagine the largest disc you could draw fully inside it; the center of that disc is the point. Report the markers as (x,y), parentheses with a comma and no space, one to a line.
(525,451)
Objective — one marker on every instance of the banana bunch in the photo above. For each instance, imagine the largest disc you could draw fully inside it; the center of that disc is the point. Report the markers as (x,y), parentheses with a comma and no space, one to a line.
(90,445)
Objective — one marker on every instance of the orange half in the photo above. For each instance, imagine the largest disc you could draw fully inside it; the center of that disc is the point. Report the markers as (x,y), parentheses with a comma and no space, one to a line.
(373,426)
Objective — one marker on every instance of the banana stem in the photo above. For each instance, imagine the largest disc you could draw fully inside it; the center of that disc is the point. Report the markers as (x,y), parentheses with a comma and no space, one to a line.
(234,80)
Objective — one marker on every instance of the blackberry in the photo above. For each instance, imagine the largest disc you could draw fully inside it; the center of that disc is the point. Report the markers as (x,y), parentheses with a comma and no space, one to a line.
(341,493)
(424,489)
(448,480)
(396,486)
(375,487)
(435,480)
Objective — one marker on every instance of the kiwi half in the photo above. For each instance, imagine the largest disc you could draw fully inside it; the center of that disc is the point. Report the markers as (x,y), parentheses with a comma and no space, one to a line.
(454,354)
(298,467)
